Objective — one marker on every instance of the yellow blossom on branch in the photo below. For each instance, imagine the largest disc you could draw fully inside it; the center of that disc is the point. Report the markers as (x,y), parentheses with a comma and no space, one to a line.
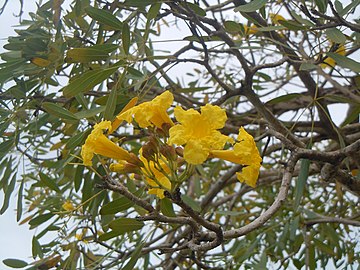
(199,132)
(156,176)
(150,113)
(68,206)
(245,153)
(330,62)
(98,143)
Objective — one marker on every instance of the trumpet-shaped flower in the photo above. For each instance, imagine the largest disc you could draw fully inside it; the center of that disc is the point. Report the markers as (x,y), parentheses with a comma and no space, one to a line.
(155,176)
(245,153)
(198,132)
(150,113)
(98,143)
(330,62)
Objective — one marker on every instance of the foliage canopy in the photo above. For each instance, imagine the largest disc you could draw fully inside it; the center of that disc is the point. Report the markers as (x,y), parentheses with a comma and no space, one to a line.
(119,126)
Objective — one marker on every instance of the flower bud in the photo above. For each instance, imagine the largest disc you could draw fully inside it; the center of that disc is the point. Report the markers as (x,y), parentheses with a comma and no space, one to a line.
(124,168)
(168,152)
(135,160)
(150,149)
(180,151)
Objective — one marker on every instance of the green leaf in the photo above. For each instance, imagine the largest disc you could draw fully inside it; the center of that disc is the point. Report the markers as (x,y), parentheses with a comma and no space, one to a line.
(252,6)
(19,207)
(191,202)
(59,111)
(352,116)
(124,225)
(292,25)
(307,66)
(104,17)
(8,191)
(301,182)
(353,4)
(36,248)
(229,213)
(283,98)
(87,81)
(134,257)
(139,3)
(5,146)
(15,263)
(85,55)
(345,62)
(90,113)
(77,140)
(322,5)
(116,206)
(324,247)
(47,181)
(78,177)
(125,37)
(335,35)
(233,27)
(270,28)
(195,8)
(110,105)
(40,219)
(167,208)
(108,235)
(106,48)
(153,11)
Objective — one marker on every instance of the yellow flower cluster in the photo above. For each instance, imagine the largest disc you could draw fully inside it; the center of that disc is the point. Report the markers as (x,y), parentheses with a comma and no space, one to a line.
(196,136)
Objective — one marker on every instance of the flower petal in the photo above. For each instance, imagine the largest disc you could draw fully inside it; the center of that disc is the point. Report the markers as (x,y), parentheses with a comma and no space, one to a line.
(214,115)
(249,175)
(195,153)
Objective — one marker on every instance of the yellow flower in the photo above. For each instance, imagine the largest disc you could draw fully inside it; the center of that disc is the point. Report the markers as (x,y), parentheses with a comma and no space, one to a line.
(198,132)
(249,30)
(117,122)
(275,18)
(245,153)
(98,143)
(159,174)
(68,206)
(151,112)
(329,62)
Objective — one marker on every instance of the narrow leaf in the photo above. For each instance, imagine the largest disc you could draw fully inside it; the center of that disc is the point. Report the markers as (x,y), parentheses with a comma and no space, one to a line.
(191,202)
(301,182)
(40,219)
(85,55)
(125,37)
(335,35)
(19,207)
(59,111)
(15,263)
(8,191)
(47,181)
(345,62)
(252,6)
(195,8)
(124,225)
(283,98)
(134,257)
(110,105)
(153,11)
(116,206)
(104,17)
(87,81)
(167,208)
